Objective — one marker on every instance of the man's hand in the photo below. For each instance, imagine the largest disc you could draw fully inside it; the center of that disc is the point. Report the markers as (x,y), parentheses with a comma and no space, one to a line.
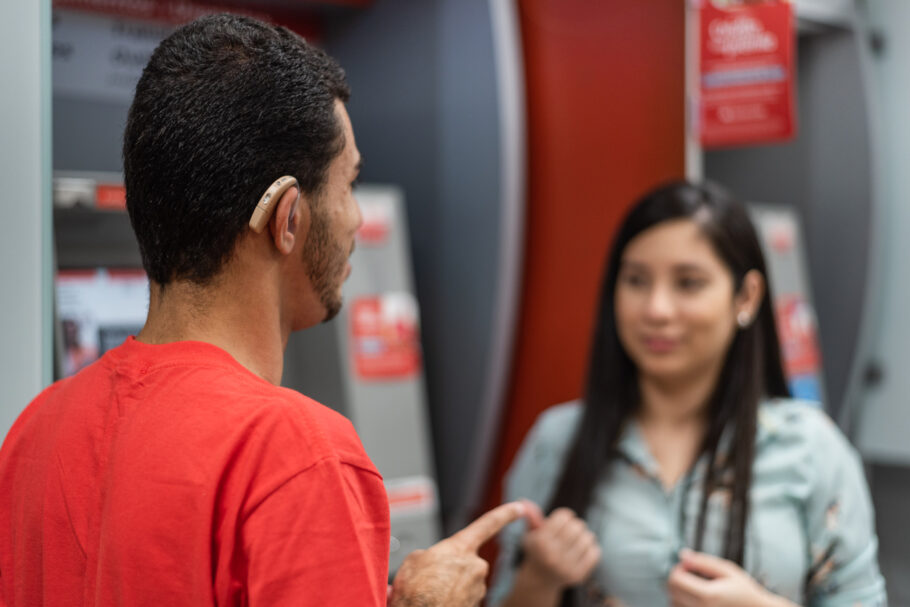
(704,580)
(562,551)
(450,573)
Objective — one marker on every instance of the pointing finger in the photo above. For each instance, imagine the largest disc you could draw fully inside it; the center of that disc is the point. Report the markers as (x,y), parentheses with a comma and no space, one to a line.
(472,537)
(533,514)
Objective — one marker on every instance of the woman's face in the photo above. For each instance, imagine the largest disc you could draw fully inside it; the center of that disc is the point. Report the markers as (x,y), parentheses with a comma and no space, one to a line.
(675,306)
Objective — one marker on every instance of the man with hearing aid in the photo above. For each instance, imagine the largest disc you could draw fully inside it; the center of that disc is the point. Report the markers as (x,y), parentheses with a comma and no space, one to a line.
(175,470)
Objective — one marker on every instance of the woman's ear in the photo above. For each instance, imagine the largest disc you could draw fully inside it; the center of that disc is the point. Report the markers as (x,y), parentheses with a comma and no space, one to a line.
(290,220)
(749,297)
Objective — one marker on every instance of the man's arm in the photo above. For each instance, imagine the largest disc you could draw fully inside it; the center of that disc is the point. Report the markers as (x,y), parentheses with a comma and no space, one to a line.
(322,538)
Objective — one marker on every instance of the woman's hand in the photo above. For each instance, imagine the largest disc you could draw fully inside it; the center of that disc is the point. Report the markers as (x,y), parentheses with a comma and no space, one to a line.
(704,580)
(561,551)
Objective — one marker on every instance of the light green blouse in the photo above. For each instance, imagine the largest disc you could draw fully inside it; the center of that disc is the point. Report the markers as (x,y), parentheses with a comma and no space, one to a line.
(810,535)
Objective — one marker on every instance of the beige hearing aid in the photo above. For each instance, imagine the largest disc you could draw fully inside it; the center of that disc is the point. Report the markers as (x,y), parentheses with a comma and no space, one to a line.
(268,201)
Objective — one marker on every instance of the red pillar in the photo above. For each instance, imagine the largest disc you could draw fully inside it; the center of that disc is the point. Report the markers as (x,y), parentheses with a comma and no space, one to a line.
(605,112)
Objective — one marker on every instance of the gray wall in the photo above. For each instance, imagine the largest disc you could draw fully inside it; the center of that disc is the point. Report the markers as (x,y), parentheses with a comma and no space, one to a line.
(88,134)
(882,429)
(846,175)
(885,417)
(424,109)
(25,233)
(826,174)
(891,495)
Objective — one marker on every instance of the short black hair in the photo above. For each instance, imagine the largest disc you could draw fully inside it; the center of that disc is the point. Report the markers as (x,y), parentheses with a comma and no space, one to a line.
(225,106)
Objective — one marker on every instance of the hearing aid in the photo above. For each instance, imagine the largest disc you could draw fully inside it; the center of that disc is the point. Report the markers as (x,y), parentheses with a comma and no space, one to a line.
(266,205)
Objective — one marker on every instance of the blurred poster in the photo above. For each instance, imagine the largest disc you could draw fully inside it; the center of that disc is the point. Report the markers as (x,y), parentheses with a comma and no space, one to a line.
(797,325)
(100,57)
(378,216)
(100,47)
(746,72)
(386,341)
(173,12)
(98,310)
(798,333)
(411,495)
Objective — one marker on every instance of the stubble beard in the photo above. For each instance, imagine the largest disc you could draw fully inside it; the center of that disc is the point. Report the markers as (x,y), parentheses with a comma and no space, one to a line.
(325,260)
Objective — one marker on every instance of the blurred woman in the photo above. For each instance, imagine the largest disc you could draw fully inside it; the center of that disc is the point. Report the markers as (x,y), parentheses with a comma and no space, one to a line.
(697,479)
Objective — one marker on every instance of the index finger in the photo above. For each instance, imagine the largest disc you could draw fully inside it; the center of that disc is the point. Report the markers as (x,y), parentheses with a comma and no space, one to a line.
(475,535)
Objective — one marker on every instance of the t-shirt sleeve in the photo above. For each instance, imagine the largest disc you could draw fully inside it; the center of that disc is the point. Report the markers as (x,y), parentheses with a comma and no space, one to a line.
(843,545)
(532,476)
(321,538)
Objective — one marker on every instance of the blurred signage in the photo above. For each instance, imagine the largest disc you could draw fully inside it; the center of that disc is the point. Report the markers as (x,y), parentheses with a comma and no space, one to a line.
(173,12)
(110,196)
(98,310)
(746,72)
(798,334)
(411,495)
(386,341)
(797,325)
(378,216)
(99,57)
(100,47)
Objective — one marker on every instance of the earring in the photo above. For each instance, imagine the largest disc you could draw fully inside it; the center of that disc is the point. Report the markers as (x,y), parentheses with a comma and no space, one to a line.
(743,319)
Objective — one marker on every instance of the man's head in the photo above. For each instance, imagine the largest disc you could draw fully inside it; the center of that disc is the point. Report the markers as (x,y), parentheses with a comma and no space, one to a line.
(318,263)
(225,106)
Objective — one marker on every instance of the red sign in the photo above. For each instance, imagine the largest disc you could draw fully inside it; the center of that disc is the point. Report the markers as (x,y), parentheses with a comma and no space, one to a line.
(746,73)
(378,216)
(110,196)
(386,343)
(171,11)
(411,495)
(177,12)
(798,335)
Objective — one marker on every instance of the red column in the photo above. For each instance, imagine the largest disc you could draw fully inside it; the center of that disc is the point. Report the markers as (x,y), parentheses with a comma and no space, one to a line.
(605,111)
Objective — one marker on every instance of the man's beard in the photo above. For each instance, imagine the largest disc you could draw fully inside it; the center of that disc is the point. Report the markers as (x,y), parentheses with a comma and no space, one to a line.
(325,261)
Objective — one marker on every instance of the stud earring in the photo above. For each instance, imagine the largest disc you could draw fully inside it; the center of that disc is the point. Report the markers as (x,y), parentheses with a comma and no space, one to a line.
(743,319)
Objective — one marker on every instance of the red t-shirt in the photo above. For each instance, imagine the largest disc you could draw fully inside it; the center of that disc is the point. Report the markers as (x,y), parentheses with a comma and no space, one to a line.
(171,475)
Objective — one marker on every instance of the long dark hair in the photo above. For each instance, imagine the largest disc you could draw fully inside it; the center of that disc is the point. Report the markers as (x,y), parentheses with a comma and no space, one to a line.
(752,369)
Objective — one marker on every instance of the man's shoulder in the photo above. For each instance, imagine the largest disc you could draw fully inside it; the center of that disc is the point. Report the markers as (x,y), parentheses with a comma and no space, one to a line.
(283,418)
(202,377)
(304,414)
(200,396)
(210,398)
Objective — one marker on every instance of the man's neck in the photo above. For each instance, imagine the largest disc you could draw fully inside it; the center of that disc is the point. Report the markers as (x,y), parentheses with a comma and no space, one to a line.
(243,320)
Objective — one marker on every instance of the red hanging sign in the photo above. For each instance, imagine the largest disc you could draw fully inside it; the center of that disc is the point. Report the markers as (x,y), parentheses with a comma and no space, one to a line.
(746,73)
(175,12)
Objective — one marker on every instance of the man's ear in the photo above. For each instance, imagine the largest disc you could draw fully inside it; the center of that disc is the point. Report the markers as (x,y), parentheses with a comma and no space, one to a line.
(290,221)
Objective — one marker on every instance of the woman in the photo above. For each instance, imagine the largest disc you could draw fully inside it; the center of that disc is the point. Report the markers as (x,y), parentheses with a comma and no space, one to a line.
(699,480)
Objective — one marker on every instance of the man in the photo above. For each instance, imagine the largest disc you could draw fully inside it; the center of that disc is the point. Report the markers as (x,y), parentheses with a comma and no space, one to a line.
(175,471)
